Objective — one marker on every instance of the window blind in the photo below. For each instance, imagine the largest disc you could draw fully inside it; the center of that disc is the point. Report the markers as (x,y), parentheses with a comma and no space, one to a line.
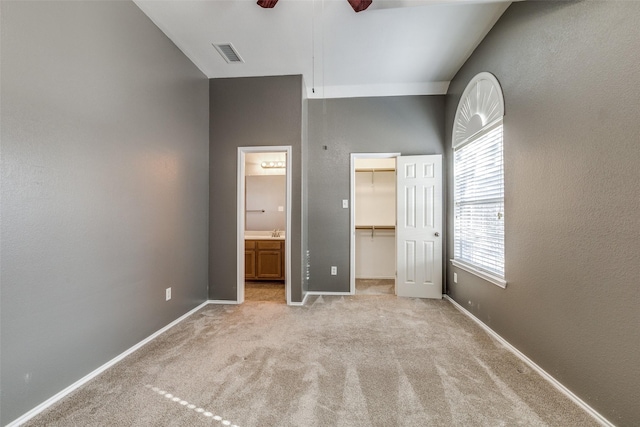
(479,201)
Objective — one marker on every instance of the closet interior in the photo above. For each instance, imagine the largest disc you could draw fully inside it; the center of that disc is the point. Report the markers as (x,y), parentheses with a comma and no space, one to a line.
(375,219)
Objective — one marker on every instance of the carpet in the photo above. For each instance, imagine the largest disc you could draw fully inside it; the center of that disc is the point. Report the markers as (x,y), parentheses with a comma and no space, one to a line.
(375,286)
(338,361)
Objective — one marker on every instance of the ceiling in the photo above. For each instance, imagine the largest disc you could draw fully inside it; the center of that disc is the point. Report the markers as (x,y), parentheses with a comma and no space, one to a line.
(396,47)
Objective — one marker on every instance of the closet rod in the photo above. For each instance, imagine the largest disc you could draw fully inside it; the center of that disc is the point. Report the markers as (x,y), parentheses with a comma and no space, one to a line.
(256,210)
(374,227)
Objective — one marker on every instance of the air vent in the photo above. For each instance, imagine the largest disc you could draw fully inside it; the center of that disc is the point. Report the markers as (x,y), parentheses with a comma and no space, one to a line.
(228,52)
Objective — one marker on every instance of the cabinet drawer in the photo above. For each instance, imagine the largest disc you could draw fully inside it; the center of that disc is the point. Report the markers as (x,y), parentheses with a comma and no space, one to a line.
(269,244)
(249,244)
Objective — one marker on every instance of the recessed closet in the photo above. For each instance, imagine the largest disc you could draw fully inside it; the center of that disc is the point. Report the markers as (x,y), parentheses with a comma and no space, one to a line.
(375,219)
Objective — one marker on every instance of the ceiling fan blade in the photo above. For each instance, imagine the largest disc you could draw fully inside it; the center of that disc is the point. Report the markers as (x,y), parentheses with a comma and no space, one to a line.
(360,5)
(267,4)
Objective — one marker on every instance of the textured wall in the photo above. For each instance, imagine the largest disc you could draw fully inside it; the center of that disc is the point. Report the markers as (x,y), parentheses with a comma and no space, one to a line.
(255,111)
(410,125)
(571,82)
(104,190)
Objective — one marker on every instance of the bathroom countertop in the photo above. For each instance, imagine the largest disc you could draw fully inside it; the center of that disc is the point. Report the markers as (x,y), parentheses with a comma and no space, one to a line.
(262,235)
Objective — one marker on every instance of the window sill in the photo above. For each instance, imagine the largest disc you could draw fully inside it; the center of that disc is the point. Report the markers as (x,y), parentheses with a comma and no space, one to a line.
(482,274)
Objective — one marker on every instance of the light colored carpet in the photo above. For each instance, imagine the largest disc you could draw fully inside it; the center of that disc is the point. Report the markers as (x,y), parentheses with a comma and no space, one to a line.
(338,361)
(375,287)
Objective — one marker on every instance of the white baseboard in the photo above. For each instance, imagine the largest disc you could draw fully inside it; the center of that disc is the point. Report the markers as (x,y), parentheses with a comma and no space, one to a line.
(564,390)
(300,304)
(44,405)
(222,301)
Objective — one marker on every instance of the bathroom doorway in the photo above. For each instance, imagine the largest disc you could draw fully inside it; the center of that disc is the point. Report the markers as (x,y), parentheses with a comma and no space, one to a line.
(264,218)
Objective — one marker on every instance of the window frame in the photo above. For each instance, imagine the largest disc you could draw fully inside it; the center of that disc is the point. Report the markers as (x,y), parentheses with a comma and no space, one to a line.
(472,123)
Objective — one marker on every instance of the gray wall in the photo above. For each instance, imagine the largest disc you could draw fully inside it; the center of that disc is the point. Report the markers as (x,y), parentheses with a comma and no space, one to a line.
(410,125)
(254,111)
(104,190)
(571,82)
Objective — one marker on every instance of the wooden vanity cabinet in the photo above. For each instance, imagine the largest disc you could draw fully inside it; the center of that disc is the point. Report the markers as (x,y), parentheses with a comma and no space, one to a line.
(264,259)
(250,259)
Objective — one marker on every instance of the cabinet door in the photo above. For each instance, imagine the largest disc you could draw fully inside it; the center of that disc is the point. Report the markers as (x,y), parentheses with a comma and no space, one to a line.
(249,260)
(250,264)
(269,264)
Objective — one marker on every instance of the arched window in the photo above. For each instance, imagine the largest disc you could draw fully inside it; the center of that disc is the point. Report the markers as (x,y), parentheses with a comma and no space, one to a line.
(479,180)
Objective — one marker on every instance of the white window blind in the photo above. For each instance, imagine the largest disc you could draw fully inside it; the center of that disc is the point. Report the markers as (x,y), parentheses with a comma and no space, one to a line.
(479,201)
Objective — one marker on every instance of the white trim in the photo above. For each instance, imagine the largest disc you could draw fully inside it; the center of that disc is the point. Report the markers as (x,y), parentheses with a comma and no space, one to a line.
(222,301)
(240,217)
(558,385)
(328,293)
(498,281)
(352,213)
(58,396)
(300,304)
(240,226)
(394,89)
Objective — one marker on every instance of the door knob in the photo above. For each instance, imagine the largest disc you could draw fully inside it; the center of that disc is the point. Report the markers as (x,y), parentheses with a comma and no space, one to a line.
(437,234)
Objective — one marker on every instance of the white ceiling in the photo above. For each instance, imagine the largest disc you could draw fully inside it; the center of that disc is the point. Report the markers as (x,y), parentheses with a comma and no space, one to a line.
(396,47)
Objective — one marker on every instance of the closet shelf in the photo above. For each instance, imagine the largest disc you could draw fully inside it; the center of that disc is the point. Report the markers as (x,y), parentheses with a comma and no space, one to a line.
(373,228)
(375,170)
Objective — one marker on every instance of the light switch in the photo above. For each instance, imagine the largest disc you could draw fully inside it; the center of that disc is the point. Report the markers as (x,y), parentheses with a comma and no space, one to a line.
(345,204)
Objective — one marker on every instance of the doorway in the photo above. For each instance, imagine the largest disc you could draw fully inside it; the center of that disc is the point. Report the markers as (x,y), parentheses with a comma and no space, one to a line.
(412,217)
(372,252)
(263,221)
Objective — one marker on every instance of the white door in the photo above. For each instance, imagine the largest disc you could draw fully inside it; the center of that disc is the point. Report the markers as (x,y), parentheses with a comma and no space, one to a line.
(419,226)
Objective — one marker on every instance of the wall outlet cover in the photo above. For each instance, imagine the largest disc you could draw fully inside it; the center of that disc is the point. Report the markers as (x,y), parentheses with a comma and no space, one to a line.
(167,294)
(455,277)
(345,204)
(334,270)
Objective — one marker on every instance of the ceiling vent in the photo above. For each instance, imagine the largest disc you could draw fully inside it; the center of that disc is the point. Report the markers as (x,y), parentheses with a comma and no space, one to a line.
(228,52)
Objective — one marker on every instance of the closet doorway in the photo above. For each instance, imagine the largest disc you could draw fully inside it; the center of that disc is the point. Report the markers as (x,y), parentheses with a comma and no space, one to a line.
(373,220)
(397,223)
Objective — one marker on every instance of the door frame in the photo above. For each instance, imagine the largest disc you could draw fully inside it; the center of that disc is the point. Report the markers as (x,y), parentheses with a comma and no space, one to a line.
(241,188)
(352,203)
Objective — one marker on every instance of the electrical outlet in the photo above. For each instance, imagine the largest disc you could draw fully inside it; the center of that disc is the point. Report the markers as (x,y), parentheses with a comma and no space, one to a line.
(167,294)
(455,277)
(334,270)
(345,204)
